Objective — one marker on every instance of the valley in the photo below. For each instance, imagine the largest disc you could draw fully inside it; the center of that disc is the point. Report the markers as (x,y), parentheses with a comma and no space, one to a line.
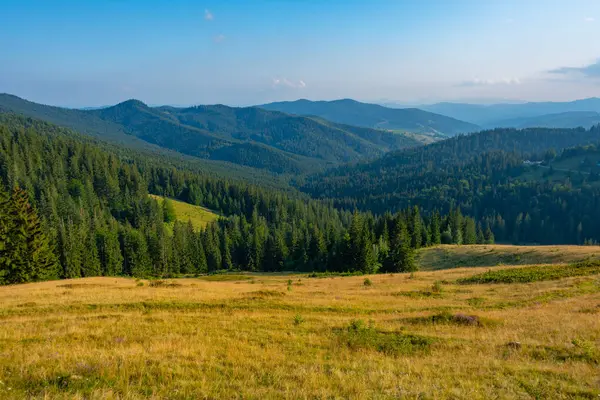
(299,200)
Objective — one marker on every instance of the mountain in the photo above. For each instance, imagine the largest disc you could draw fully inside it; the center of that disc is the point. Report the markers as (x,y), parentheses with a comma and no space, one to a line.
(399,177)
(352,112)
(492,176)
(250,136)
(490,116)
(571,119)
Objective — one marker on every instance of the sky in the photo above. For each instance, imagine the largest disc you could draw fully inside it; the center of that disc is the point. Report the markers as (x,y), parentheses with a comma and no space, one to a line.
(77,53)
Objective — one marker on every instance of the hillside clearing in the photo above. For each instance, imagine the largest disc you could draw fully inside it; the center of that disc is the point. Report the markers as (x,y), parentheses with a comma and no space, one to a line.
(286,336)
(453,256)
(185,212)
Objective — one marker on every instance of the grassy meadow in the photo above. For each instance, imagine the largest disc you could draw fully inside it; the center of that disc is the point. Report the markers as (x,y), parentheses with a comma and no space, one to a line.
(426,335)
(185,212)
(453,256)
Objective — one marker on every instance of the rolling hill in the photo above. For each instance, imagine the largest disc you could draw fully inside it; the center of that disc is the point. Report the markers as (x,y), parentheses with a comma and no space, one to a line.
(252,137)
(352,112)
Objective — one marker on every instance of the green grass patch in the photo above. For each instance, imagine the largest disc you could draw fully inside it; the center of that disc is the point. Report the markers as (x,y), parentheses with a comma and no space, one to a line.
(185,212)
(580,351)
(447,318)
(361,336)
(418,294)
(225,278)
(534,274)
(332,274)
(262,294)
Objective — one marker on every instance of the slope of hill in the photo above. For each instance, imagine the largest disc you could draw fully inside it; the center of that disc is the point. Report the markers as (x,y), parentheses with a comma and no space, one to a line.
(352,112)
(484,174)
(453,256)
(571,119)
(247,136)
(384,176)
(184,212)
(490,116)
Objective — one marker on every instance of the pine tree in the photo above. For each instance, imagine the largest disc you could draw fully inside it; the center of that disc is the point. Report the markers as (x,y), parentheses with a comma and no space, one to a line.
(470,232)
(6,228)
(435,228)
(109,252)
(136,261)
(489,235)
(27,253)
(415,228)
(401,256)
(480,235)
(168,210)
(227,263)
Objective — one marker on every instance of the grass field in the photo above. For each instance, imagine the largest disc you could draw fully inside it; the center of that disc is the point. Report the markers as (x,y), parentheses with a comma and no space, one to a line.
(423,335)
(185,212)
(452,256)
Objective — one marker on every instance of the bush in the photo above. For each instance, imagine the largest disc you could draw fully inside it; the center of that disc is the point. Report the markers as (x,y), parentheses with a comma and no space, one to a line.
(162,283)
(358,335)
(534,274)
(298,319)
(367,282)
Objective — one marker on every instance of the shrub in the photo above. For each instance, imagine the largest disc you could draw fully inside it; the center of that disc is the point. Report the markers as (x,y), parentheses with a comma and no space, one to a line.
(358,335)
(163,283)
(534,273)
(298,319)
(446,318)
(367,282)
(437,287)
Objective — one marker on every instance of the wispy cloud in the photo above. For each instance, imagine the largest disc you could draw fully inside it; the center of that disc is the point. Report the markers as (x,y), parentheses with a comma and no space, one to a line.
(284,82)
(208,15)
(490,82)
(219,38)
(589,19)
(587,71)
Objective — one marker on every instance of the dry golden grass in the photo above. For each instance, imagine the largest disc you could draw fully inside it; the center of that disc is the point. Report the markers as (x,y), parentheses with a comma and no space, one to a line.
(453,256)
(99,338)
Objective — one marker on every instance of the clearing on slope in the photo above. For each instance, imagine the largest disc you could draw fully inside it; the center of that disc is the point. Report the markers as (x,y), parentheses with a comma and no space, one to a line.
(185,212)
(488,255)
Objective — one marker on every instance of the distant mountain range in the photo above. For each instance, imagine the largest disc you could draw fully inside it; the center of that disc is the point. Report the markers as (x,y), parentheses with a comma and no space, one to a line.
(571,119)
(352,112)
(491,116)
(250,136)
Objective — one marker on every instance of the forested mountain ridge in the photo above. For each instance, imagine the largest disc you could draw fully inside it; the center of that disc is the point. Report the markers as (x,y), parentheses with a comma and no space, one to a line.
(76,207)
(570,119)
(352,112)
(484,175)
(247,136)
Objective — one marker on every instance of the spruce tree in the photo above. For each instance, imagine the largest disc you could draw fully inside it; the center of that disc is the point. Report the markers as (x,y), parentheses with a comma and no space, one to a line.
(27,253)
(401,256)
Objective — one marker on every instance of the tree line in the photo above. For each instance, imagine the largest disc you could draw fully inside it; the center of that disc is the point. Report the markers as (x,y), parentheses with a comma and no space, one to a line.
(75,207)
(484,175)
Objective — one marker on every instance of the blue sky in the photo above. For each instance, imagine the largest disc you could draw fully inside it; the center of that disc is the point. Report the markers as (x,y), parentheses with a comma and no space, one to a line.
(242,52)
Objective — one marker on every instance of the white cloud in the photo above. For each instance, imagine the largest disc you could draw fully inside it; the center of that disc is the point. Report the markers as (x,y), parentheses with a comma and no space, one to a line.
(589,19)
(208,15)
(219,38)
(491,82)
(284,82)
(587,71)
